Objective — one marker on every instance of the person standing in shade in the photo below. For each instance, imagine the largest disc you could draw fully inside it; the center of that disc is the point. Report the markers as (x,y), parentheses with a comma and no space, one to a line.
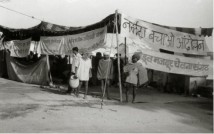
(95,63)
(105,72)
(83,72)
(131,71)
(75,62)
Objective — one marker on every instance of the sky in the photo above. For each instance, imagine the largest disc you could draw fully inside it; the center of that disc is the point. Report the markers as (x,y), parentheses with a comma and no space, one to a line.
(179,13)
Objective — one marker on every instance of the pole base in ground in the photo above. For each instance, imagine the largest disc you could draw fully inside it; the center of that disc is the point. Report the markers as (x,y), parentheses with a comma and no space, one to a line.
(101,105)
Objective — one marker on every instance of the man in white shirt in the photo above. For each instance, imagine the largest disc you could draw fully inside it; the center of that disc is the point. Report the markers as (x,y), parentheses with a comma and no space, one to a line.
(83,72)
(75,62)
(76,58)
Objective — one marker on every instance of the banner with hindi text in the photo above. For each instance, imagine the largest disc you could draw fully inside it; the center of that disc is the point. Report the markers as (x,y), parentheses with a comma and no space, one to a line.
(176,64)
(160,37)
(62,45)
(19,48)
(51,45)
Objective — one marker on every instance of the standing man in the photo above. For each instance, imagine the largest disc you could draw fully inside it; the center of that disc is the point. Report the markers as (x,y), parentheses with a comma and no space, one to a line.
(136,75)
(95,63)
(75,62)
(132,72)
(83,72)
(105,69)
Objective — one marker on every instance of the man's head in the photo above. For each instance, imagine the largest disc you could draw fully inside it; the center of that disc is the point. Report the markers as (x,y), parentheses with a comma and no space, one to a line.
(106,55)
(135,58)
(98,55)
(85,54)
(75,50)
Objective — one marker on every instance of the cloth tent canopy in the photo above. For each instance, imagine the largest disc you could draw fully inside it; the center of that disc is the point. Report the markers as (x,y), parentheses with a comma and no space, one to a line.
(19,34)
(49,29)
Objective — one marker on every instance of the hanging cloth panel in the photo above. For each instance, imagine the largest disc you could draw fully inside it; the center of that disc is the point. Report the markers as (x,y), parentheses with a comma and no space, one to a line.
(35,73)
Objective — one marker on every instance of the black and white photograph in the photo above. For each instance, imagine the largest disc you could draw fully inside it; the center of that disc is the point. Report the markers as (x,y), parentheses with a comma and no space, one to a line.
(106,66)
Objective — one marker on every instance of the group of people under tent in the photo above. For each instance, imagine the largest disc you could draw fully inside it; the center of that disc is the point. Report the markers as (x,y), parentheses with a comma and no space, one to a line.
(133,73)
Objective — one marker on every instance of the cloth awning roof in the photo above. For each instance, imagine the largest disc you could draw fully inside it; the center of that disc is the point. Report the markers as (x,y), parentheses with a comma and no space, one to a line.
(49,29)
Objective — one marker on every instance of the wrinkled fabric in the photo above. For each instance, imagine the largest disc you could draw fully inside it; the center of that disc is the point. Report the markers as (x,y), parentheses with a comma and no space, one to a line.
(3,68)
(143,76)
(142,72)
(84,69)
(75,62)
(133,76)
(35,73)
(102,69)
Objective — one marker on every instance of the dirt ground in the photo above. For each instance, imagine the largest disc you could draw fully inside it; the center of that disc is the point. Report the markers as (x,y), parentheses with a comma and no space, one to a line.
(29,108)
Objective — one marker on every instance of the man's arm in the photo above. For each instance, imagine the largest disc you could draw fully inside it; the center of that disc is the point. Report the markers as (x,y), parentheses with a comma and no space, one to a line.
(77,63)
(90,73)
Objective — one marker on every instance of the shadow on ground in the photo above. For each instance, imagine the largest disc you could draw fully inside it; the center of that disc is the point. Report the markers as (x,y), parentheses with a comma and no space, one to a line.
(9,111)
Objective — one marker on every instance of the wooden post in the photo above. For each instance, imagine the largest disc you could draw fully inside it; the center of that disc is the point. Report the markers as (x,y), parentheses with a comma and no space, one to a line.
(125,51)
(118,58)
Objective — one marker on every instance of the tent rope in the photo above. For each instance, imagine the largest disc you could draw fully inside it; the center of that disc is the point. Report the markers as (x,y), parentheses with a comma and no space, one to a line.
(32,17)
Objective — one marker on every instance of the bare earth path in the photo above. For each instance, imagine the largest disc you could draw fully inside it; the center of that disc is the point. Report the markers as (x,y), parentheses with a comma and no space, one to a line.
(28,108)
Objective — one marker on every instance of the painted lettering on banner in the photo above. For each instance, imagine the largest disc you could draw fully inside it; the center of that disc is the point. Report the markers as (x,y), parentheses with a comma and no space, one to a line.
(51,45)
(176,64)
(161,37)
(19,48)
(87,41)
(62,45)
